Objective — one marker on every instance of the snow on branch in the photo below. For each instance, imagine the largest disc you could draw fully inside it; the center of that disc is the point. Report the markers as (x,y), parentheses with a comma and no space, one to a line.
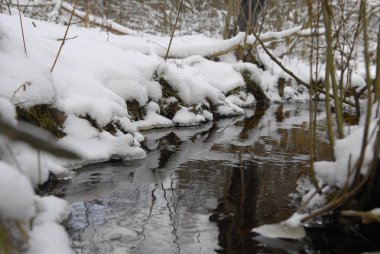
(107,24)
(223,47)
(32,5)
(211,48)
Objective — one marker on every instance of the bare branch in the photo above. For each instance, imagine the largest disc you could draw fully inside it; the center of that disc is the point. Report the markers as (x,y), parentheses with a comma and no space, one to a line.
(290,72)
(64,37)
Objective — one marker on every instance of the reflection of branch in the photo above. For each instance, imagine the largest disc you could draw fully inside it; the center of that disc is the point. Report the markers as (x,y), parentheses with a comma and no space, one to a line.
(146,221)
(171,216)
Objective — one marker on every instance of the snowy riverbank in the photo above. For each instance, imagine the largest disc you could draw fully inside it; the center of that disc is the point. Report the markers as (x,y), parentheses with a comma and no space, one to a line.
(97,73)
(105,89)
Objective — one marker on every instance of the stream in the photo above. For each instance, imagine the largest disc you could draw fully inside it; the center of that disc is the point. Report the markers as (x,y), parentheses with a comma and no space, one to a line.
(202,190)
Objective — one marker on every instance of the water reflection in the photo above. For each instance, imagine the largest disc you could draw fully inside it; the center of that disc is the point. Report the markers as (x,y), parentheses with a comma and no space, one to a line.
(200,190)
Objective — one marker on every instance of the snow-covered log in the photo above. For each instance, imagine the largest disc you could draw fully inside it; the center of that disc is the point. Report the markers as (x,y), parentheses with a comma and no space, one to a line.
(217,48)
(222,47)
(106,24)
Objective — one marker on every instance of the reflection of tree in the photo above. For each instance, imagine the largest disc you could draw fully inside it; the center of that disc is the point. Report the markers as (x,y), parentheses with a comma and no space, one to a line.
(280,113)
(235,214)
(168,146)
(206,135)
(252,122)
(256,193)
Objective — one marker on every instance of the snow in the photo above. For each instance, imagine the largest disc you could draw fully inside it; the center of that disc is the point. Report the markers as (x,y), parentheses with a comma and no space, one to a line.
(220,75)
(289,229)
(96,146)
(115,69)
(153,119)
(357,81)
(376,211)
(347,152)
(193,89)
(51,210)
(97,73)
(16,194)
(18,202)
(32,85)
(241,100)
(32,164)
(7,111)
(49,238)
(97,20)
(184,117)
(282,34)
(256,73)
(230,110)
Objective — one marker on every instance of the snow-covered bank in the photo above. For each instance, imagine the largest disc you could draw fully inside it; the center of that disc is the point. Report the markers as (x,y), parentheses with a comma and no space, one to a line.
(103,91)
(96,77)
(36,218)
(333,177)
(97,73)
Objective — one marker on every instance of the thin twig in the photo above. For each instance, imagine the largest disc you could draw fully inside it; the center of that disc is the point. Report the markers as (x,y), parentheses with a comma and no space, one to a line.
(39,166)
(24,233)
(312,110)
(377,80)
(344,196)
(365,141)
(26,6)
(22,28)
(64,37)
(8,3)
(307,202)
(330,67)
(174,28)
(297,79)
(23,86)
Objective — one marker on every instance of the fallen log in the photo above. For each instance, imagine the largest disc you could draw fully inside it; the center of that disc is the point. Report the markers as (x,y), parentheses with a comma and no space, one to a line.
(105,24)
(218,48)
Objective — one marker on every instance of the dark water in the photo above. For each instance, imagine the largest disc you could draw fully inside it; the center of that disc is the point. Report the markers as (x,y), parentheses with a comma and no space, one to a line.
(201,190)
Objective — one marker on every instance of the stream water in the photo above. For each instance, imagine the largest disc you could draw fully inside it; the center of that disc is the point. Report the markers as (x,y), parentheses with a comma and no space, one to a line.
(202,190)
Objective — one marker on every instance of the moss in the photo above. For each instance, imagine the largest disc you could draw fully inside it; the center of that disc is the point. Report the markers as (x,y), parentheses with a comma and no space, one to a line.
(111,128)
(167,90)
(118,126)
(92,121)
(196,109)
(45,116)
(5,241)
(13,237)
(255,89)
(135,110)
(169,110)
(235,91)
